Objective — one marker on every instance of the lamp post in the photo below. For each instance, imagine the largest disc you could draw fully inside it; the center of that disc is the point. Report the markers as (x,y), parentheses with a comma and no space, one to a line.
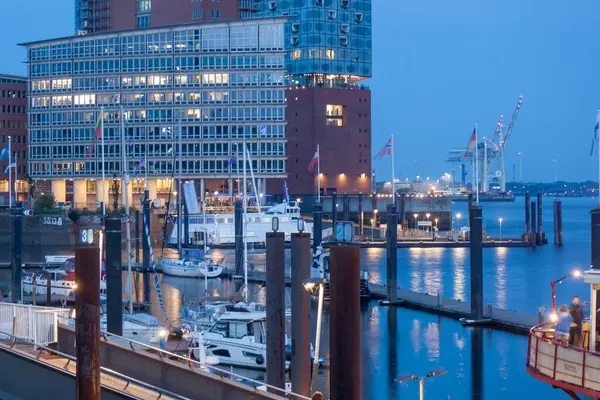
(309,285)
(421,380)
(436,223)
(575,274)
(500,220)
(372,228)
(416,216)
(427,216)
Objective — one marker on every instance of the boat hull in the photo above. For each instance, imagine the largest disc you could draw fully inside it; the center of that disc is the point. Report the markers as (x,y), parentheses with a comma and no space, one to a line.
(187,270)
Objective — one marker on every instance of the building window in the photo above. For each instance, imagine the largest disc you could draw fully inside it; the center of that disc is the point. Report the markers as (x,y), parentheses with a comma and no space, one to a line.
(144,6)
(334,114)
(296,54)
(143,21)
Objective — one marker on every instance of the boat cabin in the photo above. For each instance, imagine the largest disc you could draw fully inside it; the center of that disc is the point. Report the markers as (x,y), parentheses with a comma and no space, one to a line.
(241,325)
(573,369)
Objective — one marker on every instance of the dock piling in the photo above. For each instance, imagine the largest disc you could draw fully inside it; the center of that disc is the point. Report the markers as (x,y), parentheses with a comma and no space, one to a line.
(470,205)
(275,302)
(392,252)
(344,333)
(533,236)
(114,281)
(17,255)
(402,213)
(526,237)
(476,263)
(540,234)
(239,238)
(300,257)
(361,216)
(87,324)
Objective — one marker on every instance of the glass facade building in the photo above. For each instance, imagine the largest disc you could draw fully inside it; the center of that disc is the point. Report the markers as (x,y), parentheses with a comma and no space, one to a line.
(216,84)
(328,41)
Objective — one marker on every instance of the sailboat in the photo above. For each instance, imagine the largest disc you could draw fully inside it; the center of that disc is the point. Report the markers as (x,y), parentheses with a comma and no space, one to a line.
(183,266)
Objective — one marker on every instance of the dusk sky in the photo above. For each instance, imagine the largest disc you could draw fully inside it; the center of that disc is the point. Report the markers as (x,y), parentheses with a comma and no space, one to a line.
(439,68)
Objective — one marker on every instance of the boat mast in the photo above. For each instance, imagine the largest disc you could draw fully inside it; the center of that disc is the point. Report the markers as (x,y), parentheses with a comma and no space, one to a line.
(245,211)
(253,180)
(179,216)
(127,222)
(204,239)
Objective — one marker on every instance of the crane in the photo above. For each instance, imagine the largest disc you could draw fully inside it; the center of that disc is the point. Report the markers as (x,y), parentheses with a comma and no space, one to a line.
(503,140)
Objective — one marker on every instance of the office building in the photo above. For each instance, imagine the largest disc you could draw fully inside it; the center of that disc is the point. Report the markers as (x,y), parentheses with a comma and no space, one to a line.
(13,124)
(215,84)
(95,16)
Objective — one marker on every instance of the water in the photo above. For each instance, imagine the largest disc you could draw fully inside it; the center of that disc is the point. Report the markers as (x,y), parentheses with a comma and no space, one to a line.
(397,342)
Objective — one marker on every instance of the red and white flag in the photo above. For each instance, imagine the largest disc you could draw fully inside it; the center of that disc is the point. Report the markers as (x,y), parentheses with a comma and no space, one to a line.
(314,161)
(385,150)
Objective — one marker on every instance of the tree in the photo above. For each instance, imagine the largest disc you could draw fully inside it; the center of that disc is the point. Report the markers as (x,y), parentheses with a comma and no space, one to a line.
(43,203)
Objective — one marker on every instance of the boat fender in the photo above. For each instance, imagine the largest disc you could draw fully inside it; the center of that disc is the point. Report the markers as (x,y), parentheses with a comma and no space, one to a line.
(260,359)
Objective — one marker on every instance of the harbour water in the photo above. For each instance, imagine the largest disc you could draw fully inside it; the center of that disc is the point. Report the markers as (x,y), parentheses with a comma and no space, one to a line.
(481,363)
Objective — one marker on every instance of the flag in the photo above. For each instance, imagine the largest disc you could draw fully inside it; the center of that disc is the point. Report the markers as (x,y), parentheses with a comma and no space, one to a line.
(11,165)
(385,150)
(141,164)
(286,195)
(97,135)
(596,134)
(232,161)
(4,153)
(471,145)
(99,127)
(314,161)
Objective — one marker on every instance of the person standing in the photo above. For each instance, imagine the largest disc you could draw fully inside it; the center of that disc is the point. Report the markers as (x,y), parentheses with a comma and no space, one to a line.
(563,325)
(577,316)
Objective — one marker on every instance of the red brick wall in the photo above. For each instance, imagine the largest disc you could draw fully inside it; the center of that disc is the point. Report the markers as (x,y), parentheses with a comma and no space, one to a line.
(7,123)
(344,150)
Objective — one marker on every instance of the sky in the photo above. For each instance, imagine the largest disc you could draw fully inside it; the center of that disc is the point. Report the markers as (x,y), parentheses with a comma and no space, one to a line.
(439,68)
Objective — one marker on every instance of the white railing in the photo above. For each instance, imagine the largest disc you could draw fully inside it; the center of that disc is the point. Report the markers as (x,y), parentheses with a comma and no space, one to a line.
(37,324)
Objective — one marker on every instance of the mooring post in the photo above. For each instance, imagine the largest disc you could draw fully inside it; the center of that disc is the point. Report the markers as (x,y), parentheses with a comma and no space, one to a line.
(300,313)
(145,246)
(533,236)
(87,324)
(476,263)
(239,238)
(275,309)
(137,236)
(317,226)
(346,202)
(540,234)
(559,223)
(392,253)
(17,254)
(114,272)
(361,216)
(526,237)
(333,210)
(344,333)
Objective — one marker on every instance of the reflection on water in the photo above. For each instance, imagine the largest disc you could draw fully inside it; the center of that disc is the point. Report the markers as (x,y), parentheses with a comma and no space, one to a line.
(458,280)
(500,281)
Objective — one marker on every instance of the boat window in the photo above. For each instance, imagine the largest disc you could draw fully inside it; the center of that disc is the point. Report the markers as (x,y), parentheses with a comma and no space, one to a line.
(220,220)
(210,220)
(239,330)
(221,328)
(221,352)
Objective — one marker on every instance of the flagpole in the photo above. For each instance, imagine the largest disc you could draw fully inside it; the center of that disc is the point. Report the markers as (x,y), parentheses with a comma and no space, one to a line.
(476,167)
(393,174)
(10,188)
(102,145)
(318,174)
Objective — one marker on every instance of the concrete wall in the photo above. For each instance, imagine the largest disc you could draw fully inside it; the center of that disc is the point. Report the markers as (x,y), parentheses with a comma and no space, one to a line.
(170,375)
(24,379)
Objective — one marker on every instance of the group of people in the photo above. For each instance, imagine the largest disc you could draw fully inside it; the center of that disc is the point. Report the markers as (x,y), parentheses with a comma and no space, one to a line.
(570,323)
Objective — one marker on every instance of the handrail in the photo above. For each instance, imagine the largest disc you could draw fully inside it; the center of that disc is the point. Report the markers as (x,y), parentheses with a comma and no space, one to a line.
(129,380)
(188,360)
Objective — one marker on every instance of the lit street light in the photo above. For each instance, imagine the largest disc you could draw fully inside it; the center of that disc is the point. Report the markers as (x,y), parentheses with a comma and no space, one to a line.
(575,274)
(500,220)
(416,216)
(309,285)
(421,380)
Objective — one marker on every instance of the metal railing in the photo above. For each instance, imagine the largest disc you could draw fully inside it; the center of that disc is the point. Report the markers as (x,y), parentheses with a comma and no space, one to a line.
(128,380)
(568,367)
(163,354)
(37,324)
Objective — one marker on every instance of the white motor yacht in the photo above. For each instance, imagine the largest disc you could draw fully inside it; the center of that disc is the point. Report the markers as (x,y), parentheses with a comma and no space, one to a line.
(190,268)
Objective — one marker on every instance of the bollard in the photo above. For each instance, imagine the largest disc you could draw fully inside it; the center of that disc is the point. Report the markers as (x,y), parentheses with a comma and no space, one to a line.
(333,210)
(317,226)
(533,236)
(300,368)
(114,272)
(275,299)
(526,237)
(186,225)
(361,216)
(346,204)
(87,324)
(17,255)
(559,224)
(476,264)
(392,253)
(137,236)
(239,238)
(344,333)
(540,234)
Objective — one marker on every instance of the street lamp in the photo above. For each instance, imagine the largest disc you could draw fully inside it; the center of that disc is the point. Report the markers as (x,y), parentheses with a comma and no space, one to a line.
(372,226)
(416,216)
(436,223)
(309,285)
(575,274)
(500,220)
(421,380)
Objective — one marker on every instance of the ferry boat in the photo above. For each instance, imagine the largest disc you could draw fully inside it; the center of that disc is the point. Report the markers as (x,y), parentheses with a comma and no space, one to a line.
(572,369)
(219,229)
(62,278)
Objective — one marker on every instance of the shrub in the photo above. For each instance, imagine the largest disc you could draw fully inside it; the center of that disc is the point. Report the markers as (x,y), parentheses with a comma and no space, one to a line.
(43,203)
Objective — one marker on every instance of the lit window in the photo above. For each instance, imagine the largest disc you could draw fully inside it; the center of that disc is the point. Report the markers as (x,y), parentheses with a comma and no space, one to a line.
(296,54)
(330,53)
(334,114)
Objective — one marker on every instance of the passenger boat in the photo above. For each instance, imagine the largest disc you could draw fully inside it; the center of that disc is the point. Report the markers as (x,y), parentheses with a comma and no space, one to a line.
(190,268)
